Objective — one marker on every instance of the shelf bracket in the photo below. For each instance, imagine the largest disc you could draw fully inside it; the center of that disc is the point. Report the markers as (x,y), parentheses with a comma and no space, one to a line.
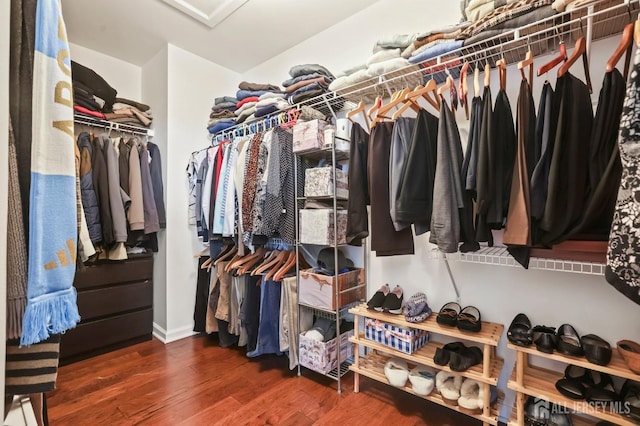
(326,101)
(453,281)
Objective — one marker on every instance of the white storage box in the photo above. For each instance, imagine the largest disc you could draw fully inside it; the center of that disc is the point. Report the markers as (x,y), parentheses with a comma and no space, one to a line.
(319,290)
(316,227)
(323,356)
(318,182)
(308,135)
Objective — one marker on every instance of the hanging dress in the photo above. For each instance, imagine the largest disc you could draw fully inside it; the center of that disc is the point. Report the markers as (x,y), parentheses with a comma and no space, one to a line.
(623,268)
(468,174)
(357,218)
(484,171)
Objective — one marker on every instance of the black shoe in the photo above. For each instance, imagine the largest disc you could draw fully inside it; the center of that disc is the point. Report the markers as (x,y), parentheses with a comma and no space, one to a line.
(393,302)
(469,319)
(443,354)
(596,349)
(568,341)
(545,338)
(377,299)
(520,331)
(448,314)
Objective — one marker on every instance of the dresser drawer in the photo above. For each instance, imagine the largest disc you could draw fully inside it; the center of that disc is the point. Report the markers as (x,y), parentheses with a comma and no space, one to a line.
(108,272)
(93,335)
(115,299)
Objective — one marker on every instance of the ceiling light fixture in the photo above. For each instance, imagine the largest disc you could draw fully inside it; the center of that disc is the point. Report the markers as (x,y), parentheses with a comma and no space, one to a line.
(220,10)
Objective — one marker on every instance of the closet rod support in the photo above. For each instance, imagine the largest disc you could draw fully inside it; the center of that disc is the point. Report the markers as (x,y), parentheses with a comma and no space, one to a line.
(453,281)
(590,12)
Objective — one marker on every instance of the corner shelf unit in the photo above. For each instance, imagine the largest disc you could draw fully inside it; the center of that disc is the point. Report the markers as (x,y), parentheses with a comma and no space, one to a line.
(372,365)
(527,380)
(333,156)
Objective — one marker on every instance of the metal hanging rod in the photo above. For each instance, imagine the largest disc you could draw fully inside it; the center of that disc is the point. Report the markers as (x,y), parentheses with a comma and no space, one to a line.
(109,125)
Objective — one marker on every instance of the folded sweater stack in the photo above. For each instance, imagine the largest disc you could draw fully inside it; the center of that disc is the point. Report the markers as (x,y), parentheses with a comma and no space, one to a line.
(222,114)
(249,97)
(307,81)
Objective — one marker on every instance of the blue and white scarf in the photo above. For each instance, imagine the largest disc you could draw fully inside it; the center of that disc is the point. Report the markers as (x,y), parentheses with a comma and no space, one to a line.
(51,304)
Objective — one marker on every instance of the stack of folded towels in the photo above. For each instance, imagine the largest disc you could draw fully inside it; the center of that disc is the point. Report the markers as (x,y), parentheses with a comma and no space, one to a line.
(258,100)
(307,81)
(93,96)
(222,114)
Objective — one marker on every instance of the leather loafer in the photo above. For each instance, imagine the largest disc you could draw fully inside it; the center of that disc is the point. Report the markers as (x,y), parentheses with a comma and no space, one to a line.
(568,341)
(448,315)
(519,332)
(596,349)
(544,337)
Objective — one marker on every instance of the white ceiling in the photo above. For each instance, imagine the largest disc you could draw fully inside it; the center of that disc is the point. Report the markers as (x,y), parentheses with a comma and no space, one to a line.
(245,33)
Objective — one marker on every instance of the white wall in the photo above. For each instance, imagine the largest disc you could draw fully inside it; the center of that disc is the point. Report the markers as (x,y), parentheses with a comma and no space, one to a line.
(4,159)
(551,298)
(193,84)
(126,78)
(155,86)
(350,42)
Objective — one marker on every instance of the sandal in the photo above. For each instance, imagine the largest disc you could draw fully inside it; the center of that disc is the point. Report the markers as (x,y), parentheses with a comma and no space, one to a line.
(568,341)
(596,349)
(545,338)
(448,315)
(469,319)
(520,331)
(443,354)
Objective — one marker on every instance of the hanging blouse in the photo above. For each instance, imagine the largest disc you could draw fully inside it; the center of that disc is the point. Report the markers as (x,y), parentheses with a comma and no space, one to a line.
(624,241)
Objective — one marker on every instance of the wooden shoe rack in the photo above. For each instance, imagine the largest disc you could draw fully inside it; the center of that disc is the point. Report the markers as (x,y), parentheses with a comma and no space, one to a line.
(537,382)
(372,365)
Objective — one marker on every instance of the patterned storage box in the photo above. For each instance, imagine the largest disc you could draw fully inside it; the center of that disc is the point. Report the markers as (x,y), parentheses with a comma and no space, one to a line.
(323,356)
(316,227)
(320,291)
(308,135)
(402,339)
(318,182)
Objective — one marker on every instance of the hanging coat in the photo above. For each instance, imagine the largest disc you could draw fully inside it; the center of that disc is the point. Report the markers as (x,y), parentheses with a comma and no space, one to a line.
(88,194)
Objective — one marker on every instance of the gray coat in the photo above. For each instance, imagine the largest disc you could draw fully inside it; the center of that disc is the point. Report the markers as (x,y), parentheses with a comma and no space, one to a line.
(87,191)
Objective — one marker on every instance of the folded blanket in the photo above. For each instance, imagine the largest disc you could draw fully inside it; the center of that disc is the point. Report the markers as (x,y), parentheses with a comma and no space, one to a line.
(222,114)
(295,80)
(270,95)
(308,88)
(383,55)
(349,80)
(321,80)
(394,42)
(478,9)
(270,101)
(87,111)
(269,109)
(142,107)
(95,82)
(252,87)
(308,113)
(119,106)
(245,107)
(213,121)
(245,100)
(299,97)
(86,103)
(445,29)
(218,127)
(230,106)
(131,121)
(391,65)
(134,112)
(352,70)
(429,46)
(305,69)
(436,50)
(242,94)
(225,99)
(502,14)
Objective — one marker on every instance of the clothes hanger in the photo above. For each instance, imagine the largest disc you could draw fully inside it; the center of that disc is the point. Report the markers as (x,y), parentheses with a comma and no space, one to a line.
(282,272)
(625,46)
(429,92)
(252,261)
(446,86)
(399,98)
(229,254)
(580,50)
(233,260)
(487,75)
(281,262)
(269,261)
(561,57)
(249,258)
(464,88)
(357,110)
(501,64)
(375,107)
(636,32)
(207,264)
(527,62)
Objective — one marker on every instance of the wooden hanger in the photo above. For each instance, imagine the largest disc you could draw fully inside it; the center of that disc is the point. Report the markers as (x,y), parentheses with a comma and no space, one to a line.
(207,264)
(400,98)
(636,33)
(626,45)
(501,64)
(464,88)
(375,107)
(561,57)
(580,50)
(227,255)
(291,261)
(357,110)
(429,92)
(250,259)
(446,86)
(233,260)
(270,261)
(203,252)
(487,75)
(527,62)
(276,268)
(476,82)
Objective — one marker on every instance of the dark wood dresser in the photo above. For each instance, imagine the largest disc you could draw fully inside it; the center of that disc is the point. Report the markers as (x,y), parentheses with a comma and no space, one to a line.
(115,300)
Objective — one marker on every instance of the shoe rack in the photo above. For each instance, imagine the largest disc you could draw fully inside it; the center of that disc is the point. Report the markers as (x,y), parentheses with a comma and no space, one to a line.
(372,364)
(528,380)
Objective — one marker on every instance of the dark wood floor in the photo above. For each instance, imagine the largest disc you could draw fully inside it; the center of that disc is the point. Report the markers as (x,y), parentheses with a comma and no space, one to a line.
(194,382)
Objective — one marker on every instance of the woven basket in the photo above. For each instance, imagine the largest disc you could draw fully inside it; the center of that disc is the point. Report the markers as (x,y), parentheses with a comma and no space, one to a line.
(630,351)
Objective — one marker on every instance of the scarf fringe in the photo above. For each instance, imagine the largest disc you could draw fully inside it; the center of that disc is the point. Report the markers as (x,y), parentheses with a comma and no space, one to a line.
(15,312)
(49,316)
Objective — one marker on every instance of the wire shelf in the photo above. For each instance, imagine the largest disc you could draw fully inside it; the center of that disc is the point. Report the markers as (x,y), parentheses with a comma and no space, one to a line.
(110,125)
(341,370)
(501,257)
(328,313)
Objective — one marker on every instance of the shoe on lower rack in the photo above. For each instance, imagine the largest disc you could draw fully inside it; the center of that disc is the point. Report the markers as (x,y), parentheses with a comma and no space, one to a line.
(378,298)
(393,302)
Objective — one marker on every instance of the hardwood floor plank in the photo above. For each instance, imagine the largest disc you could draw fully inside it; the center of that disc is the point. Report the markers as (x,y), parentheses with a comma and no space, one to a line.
(195,382)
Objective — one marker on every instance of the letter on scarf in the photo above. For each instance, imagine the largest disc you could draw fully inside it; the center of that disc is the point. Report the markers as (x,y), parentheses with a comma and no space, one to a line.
(51,305)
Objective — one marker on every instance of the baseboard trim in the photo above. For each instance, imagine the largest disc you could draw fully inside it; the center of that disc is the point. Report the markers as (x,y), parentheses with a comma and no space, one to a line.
(171,336)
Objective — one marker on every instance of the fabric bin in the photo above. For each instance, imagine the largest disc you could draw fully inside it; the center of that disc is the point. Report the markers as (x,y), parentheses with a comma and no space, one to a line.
(407,340)
(323,356)
(316,227)
(320,290)
(318,182)
(308,135)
